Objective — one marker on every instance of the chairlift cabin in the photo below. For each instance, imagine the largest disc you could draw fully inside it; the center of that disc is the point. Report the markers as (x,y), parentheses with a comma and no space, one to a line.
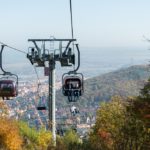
(42,104)
(8,87)
(72,86)
(41,108)
(74,110)
(8,81)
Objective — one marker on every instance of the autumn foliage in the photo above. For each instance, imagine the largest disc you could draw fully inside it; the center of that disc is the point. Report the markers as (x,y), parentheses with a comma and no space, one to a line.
(123,123)
(10,138)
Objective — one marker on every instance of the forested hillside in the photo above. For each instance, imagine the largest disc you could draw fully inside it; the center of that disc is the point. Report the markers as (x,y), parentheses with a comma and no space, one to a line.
(124,82)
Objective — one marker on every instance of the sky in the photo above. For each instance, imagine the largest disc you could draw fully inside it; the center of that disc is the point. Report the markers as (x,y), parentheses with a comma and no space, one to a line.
(97,23)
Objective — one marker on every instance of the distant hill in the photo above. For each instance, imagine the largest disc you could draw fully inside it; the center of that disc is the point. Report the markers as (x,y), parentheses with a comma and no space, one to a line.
(123,82)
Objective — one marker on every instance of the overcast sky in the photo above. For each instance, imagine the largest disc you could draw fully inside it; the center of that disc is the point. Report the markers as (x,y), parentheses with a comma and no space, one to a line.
(97,23)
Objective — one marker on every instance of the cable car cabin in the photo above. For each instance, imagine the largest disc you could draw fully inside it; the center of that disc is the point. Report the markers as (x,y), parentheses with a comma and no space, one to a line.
(8,88)
(72,87)
(74,110)
(42,104)
(41,108)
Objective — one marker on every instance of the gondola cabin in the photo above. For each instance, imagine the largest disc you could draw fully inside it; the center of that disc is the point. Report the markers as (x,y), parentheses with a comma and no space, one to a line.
(41,108)
(42,104)
(8,88)
(72,86)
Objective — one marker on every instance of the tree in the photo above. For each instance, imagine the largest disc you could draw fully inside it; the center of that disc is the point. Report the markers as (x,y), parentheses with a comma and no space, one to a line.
(118,127)
(71,140)
(3,109)
(34,139)
(10,138)
(108,126)
(141,109)
(44,138)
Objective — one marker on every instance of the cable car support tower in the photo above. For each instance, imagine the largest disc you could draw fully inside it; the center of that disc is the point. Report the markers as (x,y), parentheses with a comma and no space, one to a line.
(41,57)
(46,55)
